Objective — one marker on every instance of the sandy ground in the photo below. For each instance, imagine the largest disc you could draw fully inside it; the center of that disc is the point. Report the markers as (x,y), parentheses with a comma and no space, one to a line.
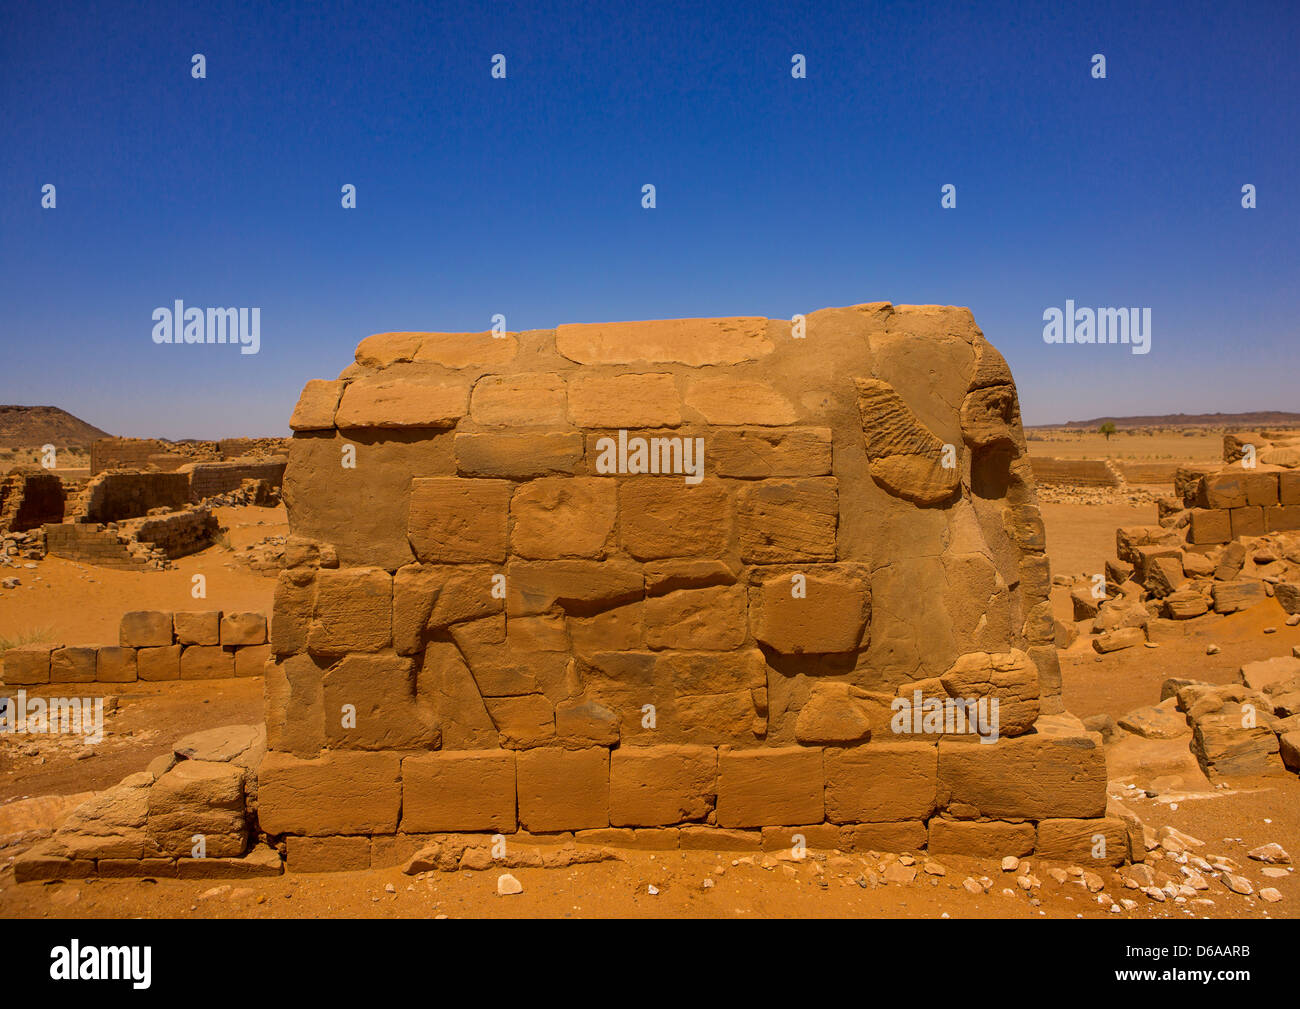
(82,605)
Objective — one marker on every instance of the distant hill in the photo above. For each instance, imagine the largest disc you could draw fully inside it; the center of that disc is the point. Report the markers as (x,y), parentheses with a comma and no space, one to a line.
(34,426)
(1243,421)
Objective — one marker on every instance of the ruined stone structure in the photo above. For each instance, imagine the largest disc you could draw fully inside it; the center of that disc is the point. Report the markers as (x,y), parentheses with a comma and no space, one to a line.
(169,456)
(1217,506)
(29,498)
(525,609)
(501,613)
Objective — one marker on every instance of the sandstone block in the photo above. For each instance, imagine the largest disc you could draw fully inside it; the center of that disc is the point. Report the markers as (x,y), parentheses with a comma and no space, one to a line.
(1289,487)
(1010,678)
(662,517)
(624,401)
(1210,526)
(733,401)
(202,627)
(908,835)
(1248,521)
(692,342)
(315,409)
(454,520)
(71,665)
(383,349)
(563,517)
(563,789)
(1236,595)
(371,704)
(327,854)
(199,797)
(293,607)
(251,660)
(467,350)
(1087,842)
(881,782)
(394,403)
(113,665)
(1030,776)
(980,838)
(577,586)
(295,705)
(651,786)
(698,619)
(770,787)
(335,793)
(145,629)
(517,456)
(518,401)
(159,663)
(206,662)
(522,721)
(761,453)
(243,629)
(26,665)
(835,712)
(353,611)
(784,521)
(1283,518)
(472,790)
(817,609)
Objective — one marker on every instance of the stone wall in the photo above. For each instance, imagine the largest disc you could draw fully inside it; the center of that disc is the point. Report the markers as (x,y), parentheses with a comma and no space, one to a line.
(169,456)
(1218,506)
(152,645)
(1074,472)
(208,479)
(134,544)
(494,632)
(120,495)
(29,498)
(146,453)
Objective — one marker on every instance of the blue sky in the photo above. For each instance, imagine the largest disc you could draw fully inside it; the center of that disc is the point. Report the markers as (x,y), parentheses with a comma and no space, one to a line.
(523,196)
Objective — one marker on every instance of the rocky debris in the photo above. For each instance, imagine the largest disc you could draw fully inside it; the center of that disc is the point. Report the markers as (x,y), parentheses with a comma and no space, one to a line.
(1271,853)
(508,885)
(1159,721)
(146,825)
(454,852)
(266,556)
(1162,580)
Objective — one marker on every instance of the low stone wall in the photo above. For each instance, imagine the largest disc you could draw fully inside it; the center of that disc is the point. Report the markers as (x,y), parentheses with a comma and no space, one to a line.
(142,453)
(1073,472)
(152,645)
(208,479)
(1148,472)
(169,456)
(135,544)
(110,497)
(1233,502)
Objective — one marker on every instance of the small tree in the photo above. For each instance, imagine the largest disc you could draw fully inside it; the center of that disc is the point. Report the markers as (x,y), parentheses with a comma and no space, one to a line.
(1107,429)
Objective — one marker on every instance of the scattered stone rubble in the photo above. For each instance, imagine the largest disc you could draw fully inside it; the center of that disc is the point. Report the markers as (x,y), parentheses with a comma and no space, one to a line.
(1160,585)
